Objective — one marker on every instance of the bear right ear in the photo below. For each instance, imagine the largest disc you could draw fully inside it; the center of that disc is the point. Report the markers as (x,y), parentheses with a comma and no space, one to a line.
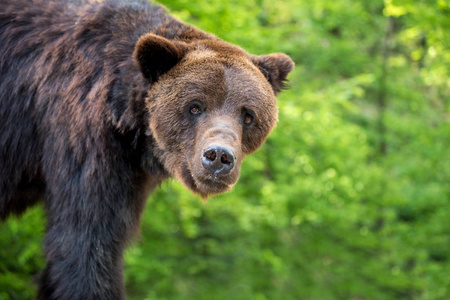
(155,55)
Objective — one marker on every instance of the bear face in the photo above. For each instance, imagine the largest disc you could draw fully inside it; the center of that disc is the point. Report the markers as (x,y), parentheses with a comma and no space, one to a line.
(210,105)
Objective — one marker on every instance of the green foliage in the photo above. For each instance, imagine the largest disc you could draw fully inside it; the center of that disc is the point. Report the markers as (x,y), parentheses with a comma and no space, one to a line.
(350,196)
(21,257)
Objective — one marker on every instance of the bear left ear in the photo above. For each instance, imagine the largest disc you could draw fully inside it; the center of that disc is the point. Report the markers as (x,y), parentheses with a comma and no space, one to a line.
(155,55)
(275,67)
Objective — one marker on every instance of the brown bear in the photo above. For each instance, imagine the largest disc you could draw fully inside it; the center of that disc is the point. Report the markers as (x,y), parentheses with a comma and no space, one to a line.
(102,101)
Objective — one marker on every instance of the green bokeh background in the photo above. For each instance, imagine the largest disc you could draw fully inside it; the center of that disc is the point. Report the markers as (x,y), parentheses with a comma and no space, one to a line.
(350,196)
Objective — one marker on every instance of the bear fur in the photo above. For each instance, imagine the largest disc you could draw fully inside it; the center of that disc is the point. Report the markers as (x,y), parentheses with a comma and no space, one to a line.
(100,101)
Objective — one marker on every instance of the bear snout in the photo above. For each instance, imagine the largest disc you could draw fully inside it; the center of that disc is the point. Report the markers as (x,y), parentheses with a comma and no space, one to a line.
(218,160)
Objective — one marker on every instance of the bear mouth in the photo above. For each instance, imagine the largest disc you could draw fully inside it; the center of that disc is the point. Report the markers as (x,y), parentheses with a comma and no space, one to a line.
(204,186)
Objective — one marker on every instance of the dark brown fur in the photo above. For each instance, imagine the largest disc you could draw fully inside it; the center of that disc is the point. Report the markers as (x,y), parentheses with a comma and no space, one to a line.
(96,110)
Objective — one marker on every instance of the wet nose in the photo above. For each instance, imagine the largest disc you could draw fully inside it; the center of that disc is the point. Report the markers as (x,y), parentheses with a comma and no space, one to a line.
(219,160)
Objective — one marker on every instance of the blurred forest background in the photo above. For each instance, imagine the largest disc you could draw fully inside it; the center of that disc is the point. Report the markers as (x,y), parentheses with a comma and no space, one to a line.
(350,196)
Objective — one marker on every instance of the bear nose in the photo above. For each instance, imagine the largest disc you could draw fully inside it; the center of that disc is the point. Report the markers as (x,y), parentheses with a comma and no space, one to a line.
(218,160)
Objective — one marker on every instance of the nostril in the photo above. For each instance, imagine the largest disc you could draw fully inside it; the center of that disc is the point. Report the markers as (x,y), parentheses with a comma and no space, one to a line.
(210,155)
(225,159)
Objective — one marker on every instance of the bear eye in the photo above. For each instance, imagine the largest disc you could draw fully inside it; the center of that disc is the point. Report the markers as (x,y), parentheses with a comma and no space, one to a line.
(196,108)
(248,117)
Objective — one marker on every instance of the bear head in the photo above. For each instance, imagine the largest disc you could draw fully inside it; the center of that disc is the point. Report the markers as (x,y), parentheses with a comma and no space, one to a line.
(210,105)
